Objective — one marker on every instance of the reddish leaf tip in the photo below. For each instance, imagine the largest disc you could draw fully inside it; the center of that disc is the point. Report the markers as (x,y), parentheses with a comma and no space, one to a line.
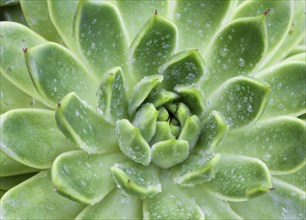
(24,50)
(267,11)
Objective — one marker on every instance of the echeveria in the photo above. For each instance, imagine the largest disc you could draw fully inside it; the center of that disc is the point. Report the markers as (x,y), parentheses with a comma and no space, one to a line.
(152,109)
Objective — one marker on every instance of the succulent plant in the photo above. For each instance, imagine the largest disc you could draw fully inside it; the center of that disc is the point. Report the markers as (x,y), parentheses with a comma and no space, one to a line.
(153,109)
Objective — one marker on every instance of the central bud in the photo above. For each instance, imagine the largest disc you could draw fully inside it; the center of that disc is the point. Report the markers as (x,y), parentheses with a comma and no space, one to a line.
(163,128)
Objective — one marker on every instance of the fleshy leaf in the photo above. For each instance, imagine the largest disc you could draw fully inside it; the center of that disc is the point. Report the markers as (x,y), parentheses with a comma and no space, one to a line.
(89,130)
(36,199)
(12,97)
(136,179)
(163,132)
(84,177)
(278,142)
(182,113)
(101,48)
(136,14)
(128,207)
(132,144)
(10,167)
(193,97)
(196,169)
(145,119)
(186,67)
(163,97)
(191,131)
(37,16)
(211,205)
(31,137)
(237,50)
(142,90)
(62,16)
(295,34)
(288,82)
(14,39)
(197,21)
(285,202)
(166,154)
(152,46)
(278,20)
(56,71)
(112,95)
(240,100)
(240,178)
(213,128)
(9,182)
(296,179)
(171,203)
(12,13)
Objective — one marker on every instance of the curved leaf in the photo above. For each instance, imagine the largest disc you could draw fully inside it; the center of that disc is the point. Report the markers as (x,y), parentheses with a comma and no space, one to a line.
(136,179)
(81,124)
(152,46)
(186,67)
(14,39)
(279,142)
(37,16)
(9,182)
(240,178)
(31,137)
(171,203)
(36,199)
(56,71)
(237,50)
(287,82)
(100,35)
(84,177)
(10,167)
(112,95)
(240,100)
(12,13)
(132,144)
(136,14)
(285,202)
(115,205)
(191,131)
(198,21)
(278,20)
(62,16)
(12,97)
(8,2)
(296,179)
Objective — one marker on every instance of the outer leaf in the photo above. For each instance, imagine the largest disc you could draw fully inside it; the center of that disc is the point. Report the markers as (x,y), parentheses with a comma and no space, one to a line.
(240,178)
(197,21)
(136,179)
(295,34)
(288,82)
(278,20)
(12,13)
(37,16)
(62,16)
(285,202)
(36,199)
(84,177)
(136,14)
(10,167)
(211,205)
(9,182)
(89,130)
(31,137)
(172,203)
(152,46)
(278,142)
(237,50)
(296,179)
(112,95)
(14,38)
(12,97)
(186,67)
(101,48)
(55,72)
(115,205)
(240,100)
